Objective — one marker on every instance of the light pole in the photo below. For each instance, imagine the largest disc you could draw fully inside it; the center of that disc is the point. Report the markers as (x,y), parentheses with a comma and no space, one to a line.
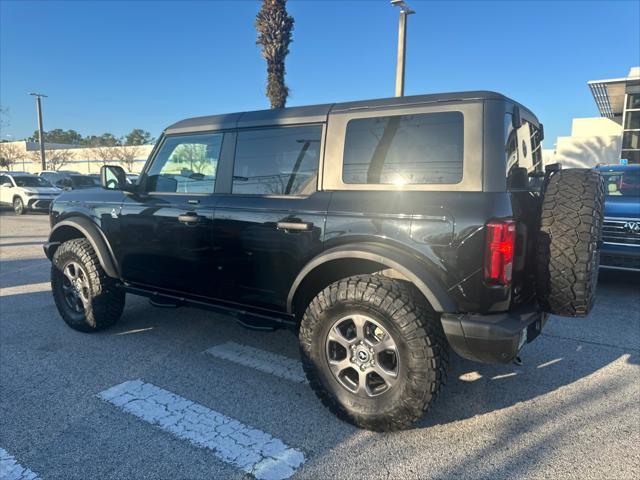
(40,129)
(402,50)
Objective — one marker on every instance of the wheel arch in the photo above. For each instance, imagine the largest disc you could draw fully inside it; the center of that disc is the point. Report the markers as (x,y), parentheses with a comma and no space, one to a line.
(365,258)
(81,227)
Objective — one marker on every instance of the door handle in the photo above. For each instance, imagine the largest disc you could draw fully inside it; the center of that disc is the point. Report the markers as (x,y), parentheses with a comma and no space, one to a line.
(297,226)
(189,218)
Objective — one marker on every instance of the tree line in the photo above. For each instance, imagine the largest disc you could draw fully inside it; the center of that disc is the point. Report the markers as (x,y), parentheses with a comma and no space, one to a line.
(137,136)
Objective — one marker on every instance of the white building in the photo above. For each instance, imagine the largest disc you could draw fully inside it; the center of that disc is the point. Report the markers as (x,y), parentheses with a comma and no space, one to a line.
(612,138)
(25,156)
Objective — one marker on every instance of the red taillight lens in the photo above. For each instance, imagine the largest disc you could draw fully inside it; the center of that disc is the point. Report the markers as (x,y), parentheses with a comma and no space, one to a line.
(499,250)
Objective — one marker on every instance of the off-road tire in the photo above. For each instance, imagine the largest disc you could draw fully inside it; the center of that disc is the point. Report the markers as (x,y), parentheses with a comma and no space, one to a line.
(18,206)
(568,253)
(417,331)
(106,299)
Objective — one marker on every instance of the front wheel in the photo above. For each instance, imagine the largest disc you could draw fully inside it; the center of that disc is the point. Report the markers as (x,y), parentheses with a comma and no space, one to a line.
(87,299)
(18,206)
(373,351)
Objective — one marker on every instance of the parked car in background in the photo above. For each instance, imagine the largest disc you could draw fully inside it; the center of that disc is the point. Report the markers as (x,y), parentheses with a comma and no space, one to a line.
(24,191)
(621,232)
(69,181)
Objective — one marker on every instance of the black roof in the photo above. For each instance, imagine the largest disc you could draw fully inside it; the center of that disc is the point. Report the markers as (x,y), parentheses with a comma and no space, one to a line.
(318,113)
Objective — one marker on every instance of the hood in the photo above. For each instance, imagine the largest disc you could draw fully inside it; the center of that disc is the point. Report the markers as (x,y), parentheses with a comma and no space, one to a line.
(42,189)
(622,206)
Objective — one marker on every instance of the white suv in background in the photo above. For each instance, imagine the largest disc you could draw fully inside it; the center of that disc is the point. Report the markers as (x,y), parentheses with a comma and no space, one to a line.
(24,191)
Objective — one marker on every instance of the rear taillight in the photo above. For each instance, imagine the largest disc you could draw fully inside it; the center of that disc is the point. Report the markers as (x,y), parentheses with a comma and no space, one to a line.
(499,250)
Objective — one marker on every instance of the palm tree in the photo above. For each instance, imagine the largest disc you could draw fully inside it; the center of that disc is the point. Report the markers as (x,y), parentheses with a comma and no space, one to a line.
(274,28)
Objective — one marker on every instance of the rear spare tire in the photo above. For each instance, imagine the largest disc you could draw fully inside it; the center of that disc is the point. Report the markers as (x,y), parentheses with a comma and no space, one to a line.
(568,254)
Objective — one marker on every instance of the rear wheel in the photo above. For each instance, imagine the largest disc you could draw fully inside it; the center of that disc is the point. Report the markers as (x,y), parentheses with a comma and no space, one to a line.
(568,255)
(373,351)
(18,206)
(87,299)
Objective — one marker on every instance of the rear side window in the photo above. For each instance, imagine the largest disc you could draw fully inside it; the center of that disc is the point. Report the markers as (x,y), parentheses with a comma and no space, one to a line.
(405,149)
(277,161)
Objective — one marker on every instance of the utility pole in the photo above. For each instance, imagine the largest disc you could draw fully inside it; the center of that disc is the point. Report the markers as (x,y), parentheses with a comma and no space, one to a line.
(40,128)
(402,50)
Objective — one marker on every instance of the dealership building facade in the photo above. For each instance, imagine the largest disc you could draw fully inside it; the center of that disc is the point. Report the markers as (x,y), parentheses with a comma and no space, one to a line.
(612,138)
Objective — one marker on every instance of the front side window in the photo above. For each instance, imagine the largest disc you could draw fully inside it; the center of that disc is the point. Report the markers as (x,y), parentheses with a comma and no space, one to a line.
(423,148)
(186,164)
(277,161)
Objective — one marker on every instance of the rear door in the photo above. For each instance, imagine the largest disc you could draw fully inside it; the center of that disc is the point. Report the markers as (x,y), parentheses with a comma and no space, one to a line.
(167,226)
(272,221)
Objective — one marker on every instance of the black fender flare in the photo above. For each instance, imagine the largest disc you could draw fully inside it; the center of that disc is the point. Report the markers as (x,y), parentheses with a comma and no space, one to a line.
(90,231)
(415,270)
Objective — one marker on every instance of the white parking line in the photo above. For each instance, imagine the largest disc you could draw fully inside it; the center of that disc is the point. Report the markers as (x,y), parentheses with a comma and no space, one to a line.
(10,469)
(22,289)
(267,362)
(250,449)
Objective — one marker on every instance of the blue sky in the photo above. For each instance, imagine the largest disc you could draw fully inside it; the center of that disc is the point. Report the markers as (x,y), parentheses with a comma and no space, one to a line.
(113,66)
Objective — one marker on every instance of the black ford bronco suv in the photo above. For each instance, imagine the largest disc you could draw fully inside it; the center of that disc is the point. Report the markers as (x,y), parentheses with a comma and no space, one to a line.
(385,232)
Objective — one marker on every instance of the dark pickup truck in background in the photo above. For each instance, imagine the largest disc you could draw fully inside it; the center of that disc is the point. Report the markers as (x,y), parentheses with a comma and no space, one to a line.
(621,231)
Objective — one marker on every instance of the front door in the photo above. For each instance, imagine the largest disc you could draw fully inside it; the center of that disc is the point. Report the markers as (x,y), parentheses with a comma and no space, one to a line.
(167,227)
(6,189)
(272,222)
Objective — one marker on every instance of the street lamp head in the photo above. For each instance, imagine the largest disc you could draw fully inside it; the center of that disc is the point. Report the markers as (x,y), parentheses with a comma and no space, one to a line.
(404,8)
(37,94)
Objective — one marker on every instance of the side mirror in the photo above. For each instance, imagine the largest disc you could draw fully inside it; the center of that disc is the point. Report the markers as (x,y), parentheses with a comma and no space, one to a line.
(6,185)
(113,177)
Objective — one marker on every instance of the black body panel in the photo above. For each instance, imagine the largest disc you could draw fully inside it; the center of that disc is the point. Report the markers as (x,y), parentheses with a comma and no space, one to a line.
(252,254)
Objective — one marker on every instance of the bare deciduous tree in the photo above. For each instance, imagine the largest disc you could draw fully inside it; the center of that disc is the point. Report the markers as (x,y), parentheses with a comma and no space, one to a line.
(127,155)
(10,154)
(56,158)
(105,154)
(274,28)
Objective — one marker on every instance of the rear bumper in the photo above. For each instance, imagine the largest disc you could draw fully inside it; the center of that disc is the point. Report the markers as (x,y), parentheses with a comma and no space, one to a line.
(495,338)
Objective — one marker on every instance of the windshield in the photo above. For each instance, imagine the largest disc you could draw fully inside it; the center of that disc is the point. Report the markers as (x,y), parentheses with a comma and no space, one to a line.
(31,182)
(82,181)
(622,183)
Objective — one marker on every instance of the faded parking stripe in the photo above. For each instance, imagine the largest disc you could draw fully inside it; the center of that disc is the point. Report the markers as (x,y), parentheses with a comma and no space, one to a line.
(267,362)
(250,449)
(22,289)
(10,469)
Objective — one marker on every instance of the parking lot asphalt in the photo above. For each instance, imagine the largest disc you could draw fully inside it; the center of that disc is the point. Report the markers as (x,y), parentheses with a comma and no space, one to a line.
(572,410)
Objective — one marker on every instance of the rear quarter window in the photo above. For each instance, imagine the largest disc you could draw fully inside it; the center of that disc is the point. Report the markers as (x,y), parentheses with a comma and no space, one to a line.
(422,148)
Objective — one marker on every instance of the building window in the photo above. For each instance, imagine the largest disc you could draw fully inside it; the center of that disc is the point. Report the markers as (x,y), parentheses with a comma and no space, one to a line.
(633,100)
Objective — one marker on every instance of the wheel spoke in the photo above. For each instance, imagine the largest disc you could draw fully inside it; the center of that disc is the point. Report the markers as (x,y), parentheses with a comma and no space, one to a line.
(362,384)
(359,321)
(336,336)
(389,377)
(385,344)
(71,272)
(337,366)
